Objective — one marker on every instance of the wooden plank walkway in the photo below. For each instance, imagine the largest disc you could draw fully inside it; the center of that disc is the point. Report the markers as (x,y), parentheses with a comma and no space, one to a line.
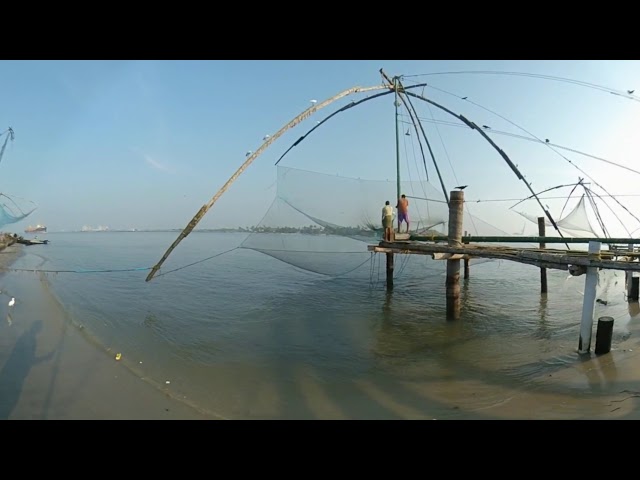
(579,260)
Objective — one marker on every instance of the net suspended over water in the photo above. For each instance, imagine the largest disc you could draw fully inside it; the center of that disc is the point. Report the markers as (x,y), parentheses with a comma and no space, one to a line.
(323,223)
(12,209)
(575,224)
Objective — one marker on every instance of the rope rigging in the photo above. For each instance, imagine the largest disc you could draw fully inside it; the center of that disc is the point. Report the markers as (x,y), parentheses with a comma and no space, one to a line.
(627,94)
(405,95)
(529,139)
(546,143)
(500,151)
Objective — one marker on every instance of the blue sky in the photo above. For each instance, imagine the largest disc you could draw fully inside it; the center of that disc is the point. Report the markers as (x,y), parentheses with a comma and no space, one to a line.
(144,144)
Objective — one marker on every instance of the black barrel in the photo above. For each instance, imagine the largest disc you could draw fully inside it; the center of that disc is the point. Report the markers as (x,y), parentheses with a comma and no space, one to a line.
(604,333)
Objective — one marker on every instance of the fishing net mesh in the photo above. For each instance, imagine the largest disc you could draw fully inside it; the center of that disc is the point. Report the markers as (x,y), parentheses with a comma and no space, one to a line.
(575,224)
(323,223)
(12,210)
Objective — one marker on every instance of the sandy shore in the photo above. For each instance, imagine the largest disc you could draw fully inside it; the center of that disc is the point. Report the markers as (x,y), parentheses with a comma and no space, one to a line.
(50,370)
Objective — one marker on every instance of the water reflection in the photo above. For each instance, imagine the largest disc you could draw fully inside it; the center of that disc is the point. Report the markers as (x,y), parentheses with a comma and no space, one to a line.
(466,297)
(386,306)
(543,330)
(599,371)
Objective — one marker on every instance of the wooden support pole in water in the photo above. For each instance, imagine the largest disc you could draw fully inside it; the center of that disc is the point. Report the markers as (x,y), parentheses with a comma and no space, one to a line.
(634,293)
(389,271)
(389,236)
(629,277)
(456,204)
(466,263)
(604,334)
(543,271)
(589,301)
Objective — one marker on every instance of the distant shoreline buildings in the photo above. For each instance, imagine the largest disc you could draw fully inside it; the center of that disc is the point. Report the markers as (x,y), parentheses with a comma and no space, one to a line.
(360,230)
(99,228)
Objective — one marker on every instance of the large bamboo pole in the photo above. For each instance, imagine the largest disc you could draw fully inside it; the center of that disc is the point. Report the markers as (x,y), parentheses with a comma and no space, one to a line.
(205,208)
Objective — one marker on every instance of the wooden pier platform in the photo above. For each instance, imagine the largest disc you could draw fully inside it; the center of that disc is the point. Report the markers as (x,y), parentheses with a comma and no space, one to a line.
(622,254)
(576,261)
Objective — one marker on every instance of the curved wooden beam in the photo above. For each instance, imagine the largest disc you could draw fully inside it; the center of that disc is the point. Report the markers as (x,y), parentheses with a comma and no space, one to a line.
(343,109)
(205,208)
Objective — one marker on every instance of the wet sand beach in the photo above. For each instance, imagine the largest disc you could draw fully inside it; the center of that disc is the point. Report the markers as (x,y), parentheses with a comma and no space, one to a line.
(50,370)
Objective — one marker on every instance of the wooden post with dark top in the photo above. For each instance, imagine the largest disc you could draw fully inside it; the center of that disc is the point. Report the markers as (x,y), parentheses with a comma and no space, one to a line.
(456,204)
(390,236)
(604,335)
(543,271)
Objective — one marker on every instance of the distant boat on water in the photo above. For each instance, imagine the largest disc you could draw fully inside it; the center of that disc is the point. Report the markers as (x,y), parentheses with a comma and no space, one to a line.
(25,241)
(37,229)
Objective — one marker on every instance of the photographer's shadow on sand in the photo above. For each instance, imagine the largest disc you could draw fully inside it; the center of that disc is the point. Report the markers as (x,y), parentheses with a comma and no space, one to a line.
(17,367)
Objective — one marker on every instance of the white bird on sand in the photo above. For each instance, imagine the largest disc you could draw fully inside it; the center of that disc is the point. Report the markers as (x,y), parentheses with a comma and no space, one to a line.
(314,101)
(12,302)
(266,137)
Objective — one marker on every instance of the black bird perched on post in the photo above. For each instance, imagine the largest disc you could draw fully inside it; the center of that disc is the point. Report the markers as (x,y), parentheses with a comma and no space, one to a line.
(462,187)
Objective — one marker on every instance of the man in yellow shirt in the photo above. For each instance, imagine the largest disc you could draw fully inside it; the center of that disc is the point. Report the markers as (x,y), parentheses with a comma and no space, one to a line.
(387,215)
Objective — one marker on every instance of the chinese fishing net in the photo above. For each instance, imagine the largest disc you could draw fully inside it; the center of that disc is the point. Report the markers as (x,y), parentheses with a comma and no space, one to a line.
(12,209)
(575,224)
(324,223)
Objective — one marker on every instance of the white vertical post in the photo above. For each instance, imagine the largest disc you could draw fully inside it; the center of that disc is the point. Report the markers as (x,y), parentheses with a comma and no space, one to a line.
(589,301)
(629,274)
